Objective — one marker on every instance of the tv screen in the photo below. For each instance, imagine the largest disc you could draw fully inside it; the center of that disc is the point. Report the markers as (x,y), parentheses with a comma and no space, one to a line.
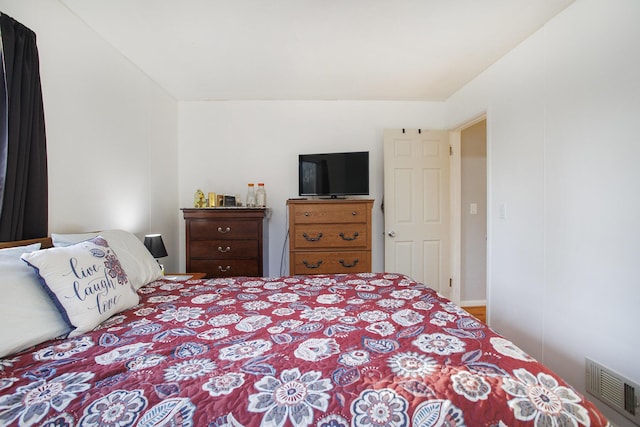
(333,174)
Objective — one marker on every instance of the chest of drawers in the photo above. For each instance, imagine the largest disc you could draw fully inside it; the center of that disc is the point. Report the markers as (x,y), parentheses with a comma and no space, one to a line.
(226,242)
(329,236)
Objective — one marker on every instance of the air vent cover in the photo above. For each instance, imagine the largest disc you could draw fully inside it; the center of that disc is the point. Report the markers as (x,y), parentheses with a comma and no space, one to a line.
(614,390)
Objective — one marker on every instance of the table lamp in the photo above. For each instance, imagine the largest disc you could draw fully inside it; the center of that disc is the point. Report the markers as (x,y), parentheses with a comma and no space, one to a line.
(155,245)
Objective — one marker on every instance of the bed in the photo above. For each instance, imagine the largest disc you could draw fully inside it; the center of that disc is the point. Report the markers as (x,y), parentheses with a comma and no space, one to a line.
(375,349)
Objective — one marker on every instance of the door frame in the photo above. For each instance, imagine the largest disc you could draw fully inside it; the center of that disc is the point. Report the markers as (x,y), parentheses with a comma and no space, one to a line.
(455,139)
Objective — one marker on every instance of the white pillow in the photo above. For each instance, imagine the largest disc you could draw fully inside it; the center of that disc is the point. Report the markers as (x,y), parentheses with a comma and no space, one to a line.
(85,281)
(27,314)
(137,261)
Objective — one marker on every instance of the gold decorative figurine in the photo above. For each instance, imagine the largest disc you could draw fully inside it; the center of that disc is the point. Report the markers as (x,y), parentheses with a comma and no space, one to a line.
(198,200)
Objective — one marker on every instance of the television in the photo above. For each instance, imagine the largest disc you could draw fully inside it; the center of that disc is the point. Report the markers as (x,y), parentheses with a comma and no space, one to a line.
(333,174)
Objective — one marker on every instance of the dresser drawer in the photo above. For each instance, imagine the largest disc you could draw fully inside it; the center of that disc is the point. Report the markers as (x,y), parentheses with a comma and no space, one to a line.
(222,229)
(314,213)
(227,268)
(224,249)
(318,262)
(319,236)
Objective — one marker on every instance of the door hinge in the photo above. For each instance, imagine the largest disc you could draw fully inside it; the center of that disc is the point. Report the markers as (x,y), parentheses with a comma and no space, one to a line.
(450,150)
(450,282)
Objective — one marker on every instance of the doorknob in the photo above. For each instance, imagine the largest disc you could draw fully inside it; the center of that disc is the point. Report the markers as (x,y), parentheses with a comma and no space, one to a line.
(392,233)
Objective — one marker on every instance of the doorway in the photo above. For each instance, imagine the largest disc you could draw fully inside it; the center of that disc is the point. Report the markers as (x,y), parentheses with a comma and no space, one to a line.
(467,283)
(473,215)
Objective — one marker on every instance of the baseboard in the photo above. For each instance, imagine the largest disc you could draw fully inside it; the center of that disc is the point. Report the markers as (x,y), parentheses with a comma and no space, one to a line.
(473,303)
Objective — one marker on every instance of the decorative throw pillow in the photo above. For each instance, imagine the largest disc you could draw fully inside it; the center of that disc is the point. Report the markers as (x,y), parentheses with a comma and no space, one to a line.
(137,262)
(85,281)
(27,314)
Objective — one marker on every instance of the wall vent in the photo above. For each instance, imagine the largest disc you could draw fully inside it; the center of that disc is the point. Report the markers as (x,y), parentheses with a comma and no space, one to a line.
(614,390)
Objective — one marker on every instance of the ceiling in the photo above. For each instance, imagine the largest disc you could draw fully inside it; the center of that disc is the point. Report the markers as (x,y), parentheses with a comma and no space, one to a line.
(314,49)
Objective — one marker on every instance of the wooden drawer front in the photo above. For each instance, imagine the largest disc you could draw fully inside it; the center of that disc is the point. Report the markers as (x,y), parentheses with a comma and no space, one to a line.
(206,230)
(331,262)
(330,213)
(227,268)
(320,236)
(223,249)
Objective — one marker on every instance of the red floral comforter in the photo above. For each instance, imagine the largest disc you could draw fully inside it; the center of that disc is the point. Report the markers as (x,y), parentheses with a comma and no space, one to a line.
(330,351)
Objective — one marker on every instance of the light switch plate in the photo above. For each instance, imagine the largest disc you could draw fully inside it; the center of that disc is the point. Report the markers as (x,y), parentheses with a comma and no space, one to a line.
(503,210)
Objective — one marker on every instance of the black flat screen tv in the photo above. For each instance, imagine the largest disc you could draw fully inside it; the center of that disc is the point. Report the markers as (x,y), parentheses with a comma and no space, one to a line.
(334,174)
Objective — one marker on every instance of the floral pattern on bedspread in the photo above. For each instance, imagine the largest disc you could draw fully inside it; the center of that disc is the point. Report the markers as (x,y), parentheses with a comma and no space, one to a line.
(327,351)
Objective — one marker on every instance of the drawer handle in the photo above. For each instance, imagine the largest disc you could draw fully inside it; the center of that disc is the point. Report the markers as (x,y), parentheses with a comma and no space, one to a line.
(312,239)
(307,214)
(223,250)
(316,265)
(353,264)
(354,213)
(223,230)
(355,236)
(224,269)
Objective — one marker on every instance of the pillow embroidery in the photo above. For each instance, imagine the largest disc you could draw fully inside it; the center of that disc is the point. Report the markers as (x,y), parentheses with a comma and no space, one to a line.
(85,281)
(97,279)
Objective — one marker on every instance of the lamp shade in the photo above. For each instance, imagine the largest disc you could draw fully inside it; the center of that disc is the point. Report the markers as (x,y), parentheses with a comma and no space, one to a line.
(155,245)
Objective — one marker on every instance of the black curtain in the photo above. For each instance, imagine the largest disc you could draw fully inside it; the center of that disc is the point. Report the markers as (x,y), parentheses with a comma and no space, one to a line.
(24,198)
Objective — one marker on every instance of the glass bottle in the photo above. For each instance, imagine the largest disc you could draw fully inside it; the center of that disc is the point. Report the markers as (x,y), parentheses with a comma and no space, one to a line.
(261,196)
(251,197)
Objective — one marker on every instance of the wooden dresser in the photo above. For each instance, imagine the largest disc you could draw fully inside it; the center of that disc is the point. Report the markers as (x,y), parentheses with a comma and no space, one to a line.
(329,236)
(224,242)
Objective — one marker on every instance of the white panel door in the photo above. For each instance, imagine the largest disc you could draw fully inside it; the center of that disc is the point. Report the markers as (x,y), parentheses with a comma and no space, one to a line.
(416,205)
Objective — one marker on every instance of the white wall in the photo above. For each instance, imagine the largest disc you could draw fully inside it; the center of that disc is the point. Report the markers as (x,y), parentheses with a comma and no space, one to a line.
(563,156)
(111,132)
(225,145)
